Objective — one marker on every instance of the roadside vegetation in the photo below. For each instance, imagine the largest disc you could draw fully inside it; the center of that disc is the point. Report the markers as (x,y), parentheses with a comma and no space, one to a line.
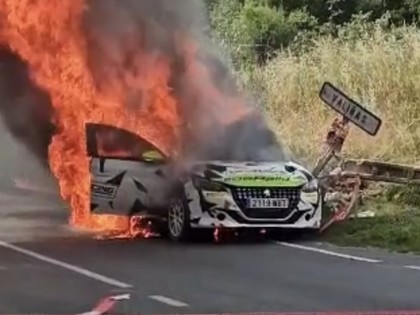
(395,225)
(285,49)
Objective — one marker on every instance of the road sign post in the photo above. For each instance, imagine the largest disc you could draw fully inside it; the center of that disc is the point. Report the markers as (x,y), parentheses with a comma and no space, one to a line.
(349,112)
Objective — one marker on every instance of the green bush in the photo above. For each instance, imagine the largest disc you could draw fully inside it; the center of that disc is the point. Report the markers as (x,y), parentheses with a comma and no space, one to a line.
(252,31)
(341,11)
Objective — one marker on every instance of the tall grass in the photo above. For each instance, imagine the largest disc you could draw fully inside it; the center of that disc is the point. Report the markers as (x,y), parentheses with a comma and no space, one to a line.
(379,69)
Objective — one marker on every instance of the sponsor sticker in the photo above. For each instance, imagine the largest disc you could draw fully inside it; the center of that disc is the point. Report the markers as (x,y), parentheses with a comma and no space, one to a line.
(260,180)
(103,190)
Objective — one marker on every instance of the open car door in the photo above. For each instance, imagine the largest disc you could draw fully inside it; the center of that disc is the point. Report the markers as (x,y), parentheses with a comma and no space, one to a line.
(128,174)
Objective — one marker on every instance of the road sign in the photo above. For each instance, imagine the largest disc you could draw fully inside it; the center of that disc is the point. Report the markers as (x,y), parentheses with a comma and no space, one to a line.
(350,109)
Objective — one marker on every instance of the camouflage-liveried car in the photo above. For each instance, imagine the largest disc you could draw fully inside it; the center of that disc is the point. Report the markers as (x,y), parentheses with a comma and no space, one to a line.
(250,195)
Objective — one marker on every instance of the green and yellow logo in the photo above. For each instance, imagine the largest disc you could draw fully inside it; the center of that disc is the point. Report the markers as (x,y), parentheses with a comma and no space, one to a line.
(266,181)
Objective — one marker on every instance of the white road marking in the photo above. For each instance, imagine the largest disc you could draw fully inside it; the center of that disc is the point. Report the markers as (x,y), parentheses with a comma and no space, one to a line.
(79,270)
(168,301)
(412,267)
(331,253)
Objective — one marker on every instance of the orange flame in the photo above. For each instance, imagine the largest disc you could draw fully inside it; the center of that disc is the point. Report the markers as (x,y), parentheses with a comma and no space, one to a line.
(49,37)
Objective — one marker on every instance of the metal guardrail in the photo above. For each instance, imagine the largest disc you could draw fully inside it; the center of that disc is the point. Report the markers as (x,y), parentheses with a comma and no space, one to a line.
(369,170)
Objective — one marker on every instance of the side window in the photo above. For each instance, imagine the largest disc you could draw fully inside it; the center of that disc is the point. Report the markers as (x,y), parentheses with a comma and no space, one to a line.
(111,142)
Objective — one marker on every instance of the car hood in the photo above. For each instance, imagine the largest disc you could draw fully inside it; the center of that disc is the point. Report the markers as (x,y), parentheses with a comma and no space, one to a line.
(285,174)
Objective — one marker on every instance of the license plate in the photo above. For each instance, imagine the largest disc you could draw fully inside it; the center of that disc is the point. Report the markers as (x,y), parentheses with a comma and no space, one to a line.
(273,203)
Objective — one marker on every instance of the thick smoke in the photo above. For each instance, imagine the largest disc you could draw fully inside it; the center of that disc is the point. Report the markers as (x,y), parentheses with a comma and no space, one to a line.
(206,92)
(201,82)
(26,129)
(25,108)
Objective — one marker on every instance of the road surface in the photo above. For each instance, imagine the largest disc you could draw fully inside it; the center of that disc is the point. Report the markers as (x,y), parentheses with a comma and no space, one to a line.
(46,269)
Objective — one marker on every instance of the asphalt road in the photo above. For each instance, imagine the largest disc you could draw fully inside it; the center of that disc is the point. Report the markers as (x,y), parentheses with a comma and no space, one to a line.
(46,269)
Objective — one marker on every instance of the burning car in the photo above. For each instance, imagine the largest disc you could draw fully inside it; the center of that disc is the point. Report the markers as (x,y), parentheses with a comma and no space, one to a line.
(139,180)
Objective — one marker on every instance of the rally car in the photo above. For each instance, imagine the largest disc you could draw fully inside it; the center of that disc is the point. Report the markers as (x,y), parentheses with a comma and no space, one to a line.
(211,194)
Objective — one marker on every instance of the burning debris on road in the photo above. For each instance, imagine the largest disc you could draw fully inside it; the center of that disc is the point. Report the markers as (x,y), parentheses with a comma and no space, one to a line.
(147,66)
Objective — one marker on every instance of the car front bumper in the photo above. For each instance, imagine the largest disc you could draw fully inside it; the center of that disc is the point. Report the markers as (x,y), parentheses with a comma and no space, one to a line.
(230,212)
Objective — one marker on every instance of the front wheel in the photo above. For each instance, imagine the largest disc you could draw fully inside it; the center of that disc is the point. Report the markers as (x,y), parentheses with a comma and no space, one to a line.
(178,221)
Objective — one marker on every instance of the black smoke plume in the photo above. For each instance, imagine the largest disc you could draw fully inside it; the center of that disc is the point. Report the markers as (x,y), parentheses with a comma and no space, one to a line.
(25,108)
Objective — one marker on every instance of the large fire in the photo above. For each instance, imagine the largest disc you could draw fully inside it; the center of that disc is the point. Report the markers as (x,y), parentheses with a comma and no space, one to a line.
(48,35)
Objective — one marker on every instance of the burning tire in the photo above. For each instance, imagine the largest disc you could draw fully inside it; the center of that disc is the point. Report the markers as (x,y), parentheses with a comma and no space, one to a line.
(178,221)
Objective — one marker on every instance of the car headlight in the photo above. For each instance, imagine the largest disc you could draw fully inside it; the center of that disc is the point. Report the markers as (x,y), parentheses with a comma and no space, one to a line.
(206,184)
(311,186)
(310,192)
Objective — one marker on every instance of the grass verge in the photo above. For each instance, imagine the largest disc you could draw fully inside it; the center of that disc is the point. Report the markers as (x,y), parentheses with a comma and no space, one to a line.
(396,225)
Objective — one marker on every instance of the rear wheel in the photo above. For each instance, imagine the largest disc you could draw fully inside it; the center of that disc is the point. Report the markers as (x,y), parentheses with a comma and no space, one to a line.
(178,221)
